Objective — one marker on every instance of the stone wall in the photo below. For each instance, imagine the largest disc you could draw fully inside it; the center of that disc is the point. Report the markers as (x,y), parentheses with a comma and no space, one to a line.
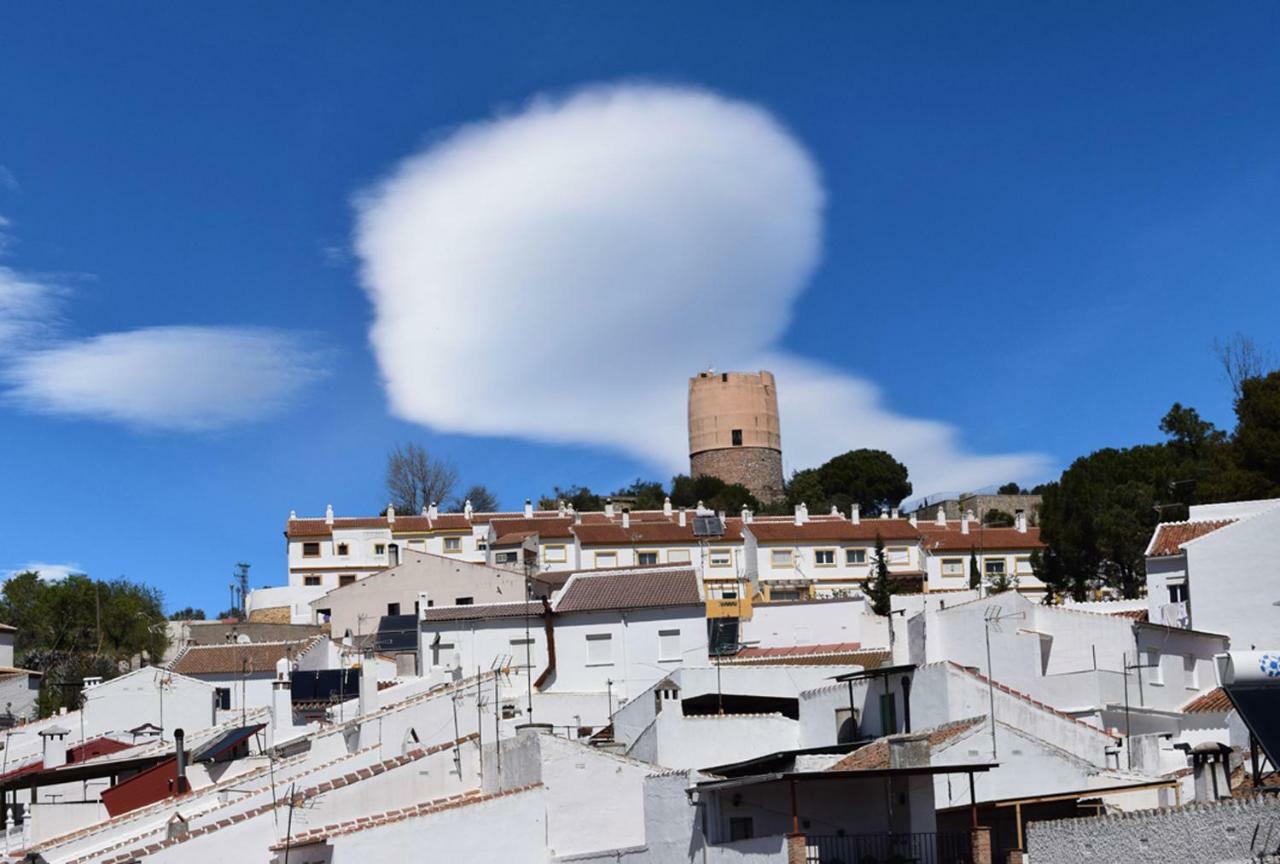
(272,615)
(1240,829)
(757,468)
(980,504)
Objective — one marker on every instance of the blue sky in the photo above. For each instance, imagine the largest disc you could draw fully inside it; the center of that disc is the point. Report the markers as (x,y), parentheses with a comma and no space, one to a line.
(1030,225)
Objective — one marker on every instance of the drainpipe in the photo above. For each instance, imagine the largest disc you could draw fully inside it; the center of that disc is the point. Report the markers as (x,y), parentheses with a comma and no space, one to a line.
(549,628)
(906,702)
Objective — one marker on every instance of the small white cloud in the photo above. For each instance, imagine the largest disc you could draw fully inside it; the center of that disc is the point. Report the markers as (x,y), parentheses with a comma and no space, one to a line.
(28,309)
(179,378)
(558,273)
(47,571)
(7,180)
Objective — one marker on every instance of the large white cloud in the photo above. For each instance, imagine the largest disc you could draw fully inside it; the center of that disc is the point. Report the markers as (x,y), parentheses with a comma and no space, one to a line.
(557,274)
(181,378)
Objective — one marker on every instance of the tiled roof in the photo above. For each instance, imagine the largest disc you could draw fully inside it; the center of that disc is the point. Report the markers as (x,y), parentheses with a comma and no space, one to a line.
(1212,702)
(476,612)
(1170,536)
(257,657)
(639,588)
(832,529)
(613,534)
(832,654)
(875,756)
(1132,614)
(951,539)
(546,527)
(515,538)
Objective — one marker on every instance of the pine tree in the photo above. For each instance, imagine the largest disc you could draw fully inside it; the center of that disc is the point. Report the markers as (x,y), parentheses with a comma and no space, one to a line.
(880,588)
(975,574)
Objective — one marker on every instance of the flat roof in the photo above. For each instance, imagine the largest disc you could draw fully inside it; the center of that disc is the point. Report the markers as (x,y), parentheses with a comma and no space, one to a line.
(871,673)
(800,776)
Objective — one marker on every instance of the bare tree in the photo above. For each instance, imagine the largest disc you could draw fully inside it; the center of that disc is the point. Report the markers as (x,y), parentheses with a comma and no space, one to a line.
(482,500)
(416,479)
(1242,359)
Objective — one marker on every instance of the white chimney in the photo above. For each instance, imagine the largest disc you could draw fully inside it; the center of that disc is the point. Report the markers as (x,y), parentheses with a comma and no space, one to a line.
(1020,520)
(328,514)
(467,510)
(568,508)
(855,513)
(683,518)
(281,700)
(608,508)
(368,685)
(799,514)
(433,511)
(940,518)
(54,741)
(835,511)
(577,517)
(424,602)
(964,521)
(293,514)
(560,507)
(746,515)
(391,515)
(528,509)
(884,515)
(912,519)
(893,514)
(626,518)
(666,507)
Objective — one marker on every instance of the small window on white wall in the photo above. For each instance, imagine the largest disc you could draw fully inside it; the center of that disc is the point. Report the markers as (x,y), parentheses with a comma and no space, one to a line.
(668,644)
(1151,659)
(1191,672)
(678,556)
(599,649)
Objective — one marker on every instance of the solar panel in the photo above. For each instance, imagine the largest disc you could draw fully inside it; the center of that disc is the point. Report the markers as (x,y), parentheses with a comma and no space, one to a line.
(707,526)
(1252,681)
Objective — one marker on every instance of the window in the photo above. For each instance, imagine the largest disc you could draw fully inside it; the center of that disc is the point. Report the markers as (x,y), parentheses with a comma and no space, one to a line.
(783,595)
(342,549)
(780,558)
(952,566)
(554,554)
(310,550)
(741,828)
(824,557)
(1155,674)
(993,566)
(668,645)
(736,435)
(463,601)
(482,543)
(1178,592)
(721,558)
(310,580)
(346,579)
(606,559)
(505,558)
(1022,565)
(1190,672)
(223,697)
(393,608)
(855,556)
(899,556)
(677,556)
(379,548)
(453,544)
(522,652)
(599,649)
(647,557)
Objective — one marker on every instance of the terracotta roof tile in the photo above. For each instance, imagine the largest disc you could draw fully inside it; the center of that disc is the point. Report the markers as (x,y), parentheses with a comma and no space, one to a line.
(232,657)
(613,534)
(834,654)
(950,538)
(832,529)
(476,612)
(875,756)
(640,588)
(1170,536)
(546,527)
(1212,702)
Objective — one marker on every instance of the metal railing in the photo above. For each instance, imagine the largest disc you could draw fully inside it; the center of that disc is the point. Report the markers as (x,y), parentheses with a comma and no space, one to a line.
(921,848)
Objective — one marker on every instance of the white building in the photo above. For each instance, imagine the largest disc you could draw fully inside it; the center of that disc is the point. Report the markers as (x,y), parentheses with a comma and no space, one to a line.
(242,673)
(1216,571)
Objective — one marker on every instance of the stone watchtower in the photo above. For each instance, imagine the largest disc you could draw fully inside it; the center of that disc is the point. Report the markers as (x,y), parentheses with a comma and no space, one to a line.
(734,432)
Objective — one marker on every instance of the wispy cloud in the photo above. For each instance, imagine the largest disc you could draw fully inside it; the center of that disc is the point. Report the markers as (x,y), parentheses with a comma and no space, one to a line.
(7,180)
(184,378)
(575,261)
(177,378)
(51,572)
